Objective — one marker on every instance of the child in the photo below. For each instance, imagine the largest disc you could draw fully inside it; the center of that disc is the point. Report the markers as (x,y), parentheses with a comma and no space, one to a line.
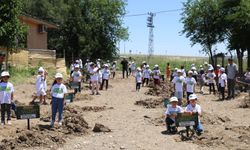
(105,76)
(6,96)
(58,92)
(41,86)
(156,75)
(171,114)
(202,80)
(146,75)
(194,108)
(222,82)
(138,79)
(133,68)
(211,79)
(178,83)
(77,78)
(94,78)
(190,85)
(113,69)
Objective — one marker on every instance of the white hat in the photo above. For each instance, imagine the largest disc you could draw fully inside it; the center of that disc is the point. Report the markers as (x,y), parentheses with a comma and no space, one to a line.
(105,65)
(210,69)
(175,69)
(98,59)
(147,66)
(173,99)
(138,68)
(222,69)
(201,66)
(77,66)
(205,63)
(156,65)
(5,73)
(218,65)
(192,97)
(77,61)
(40,69)
(193,68)
(192,65)
(202,69)
(58,75)
(179,70)
(190,72)
(144,62)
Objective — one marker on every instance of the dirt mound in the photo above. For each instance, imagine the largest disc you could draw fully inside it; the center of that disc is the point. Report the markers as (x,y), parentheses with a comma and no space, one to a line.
(150,103)
(82,97)
(95,108)
(159,121)
(238,136)
(245,103)
(163,90)
(211,119)
(100,128)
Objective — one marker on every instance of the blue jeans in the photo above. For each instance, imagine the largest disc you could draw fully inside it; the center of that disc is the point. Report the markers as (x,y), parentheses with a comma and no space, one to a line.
(199,127)
(57,105)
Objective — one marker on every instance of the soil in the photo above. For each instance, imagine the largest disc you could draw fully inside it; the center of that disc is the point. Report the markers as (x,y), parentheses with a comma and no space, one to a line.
(226,123)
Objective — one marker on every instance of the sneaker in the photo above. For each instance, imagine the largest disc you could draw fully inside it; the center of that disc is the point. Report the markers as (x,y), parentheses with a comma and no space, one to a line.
(52,124)
(9,122)
(98,93)
(60,123)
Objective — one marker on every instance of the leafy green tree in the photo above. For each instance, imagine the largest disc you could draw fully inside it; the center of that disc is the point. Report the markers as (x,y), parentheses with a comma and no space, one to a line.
(12,32)
(201,19)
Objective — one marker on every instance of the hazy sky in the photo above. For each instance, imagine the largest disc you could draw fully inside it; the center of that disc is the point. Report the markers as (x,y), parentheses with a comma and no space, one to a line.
(167,37)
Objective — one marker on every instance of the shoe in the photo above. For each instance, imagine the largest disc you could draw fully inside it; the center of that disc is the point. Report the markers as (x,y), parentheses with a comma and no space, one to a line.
(98,93)
(9,122)
(92,93)
(60,123)
(52,124)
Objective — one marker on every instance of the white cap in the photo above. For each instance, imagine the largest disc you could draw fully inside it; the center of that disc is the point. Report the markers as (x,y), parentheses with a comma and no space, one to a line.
(144,62)
(205,63)
(98,59)
(40,69)
(201,66)
(156,65)
(218,65)
(105,65)
(192,97)
(201,69)
(58,75)
(147,66)
(210,69)
(193,68)
(77,61)
(77,66)
(173,99)
(138,68)
(179,70)
(5,73)
(175,69)
(190,72)
(222,69)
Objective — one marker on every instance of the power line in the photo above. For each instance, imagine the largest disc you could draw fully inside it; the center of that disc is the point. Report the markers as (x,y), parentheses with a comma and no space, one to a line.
(158,12)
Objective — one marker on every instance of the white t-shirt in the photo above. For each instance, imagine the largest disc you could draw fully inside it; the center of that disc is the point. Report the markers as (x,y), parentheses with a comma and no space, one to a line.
(195,109)
(222,79)
(5,92)
(247,75)
(105,74)
(72,67)
(40,83)
(113,67)
(94,74)
(133,66)
(76,75)
(183,73)
(146,73)
(211,77)
(190,82)
(156,74)
(138,77)
(58,90)
(178,81)
(170,110)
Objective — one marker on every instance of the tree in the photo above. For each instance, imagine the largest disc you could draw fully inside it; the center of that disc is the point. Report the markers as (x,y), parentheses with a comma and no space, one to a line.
(201,19)
(12,32)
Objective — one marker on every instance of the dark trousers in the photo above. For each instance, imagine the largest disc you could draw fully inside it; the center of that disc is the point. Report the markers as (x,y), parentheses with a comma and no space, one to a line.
(188,94)
(138,86)
(211,85)
(79,88)
(222,91)
(230,86)
(5,108)
(169,122)
(57,106)
(129,70)
(113,75)
(107,83)
(123,72)
(145,80)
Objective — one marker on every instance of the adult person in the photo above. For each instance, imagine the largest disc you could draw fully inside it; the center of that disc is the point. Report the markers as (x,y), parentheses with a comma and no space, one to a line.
(124,64)
(232,71)
(168,71)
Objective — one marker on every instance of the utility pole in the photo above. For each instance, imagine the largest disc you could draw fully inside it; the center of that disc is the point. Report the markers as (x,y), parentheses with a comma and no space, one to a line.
(150,25)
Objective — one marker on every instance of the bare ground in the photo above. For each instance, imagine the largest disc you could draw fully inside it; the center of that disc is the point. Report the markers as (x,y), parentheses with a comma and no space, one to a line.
(227,126)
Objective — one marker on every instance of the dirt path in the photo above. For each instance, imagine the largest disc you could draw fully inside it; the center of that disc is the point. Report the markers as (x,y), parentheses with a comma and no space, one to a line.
(130,130)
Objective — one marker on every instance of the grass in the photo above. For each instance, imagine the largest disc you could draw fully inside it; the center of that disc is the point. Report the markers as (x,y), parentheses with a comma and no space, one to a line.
(175,61)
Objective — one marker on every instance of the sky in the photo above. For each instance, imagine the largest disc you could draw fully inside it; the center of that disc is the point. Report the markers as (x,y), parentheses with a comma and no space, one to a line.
(167,37)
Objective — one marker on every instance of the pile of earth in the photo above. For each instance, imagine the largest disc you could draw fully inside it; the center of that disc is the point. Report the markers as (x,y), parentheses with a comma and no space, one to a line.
(159,121)
(163,90)
(245,102)
(95,108)
(150,103)
(82,97)
(212,119)
(225,138)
